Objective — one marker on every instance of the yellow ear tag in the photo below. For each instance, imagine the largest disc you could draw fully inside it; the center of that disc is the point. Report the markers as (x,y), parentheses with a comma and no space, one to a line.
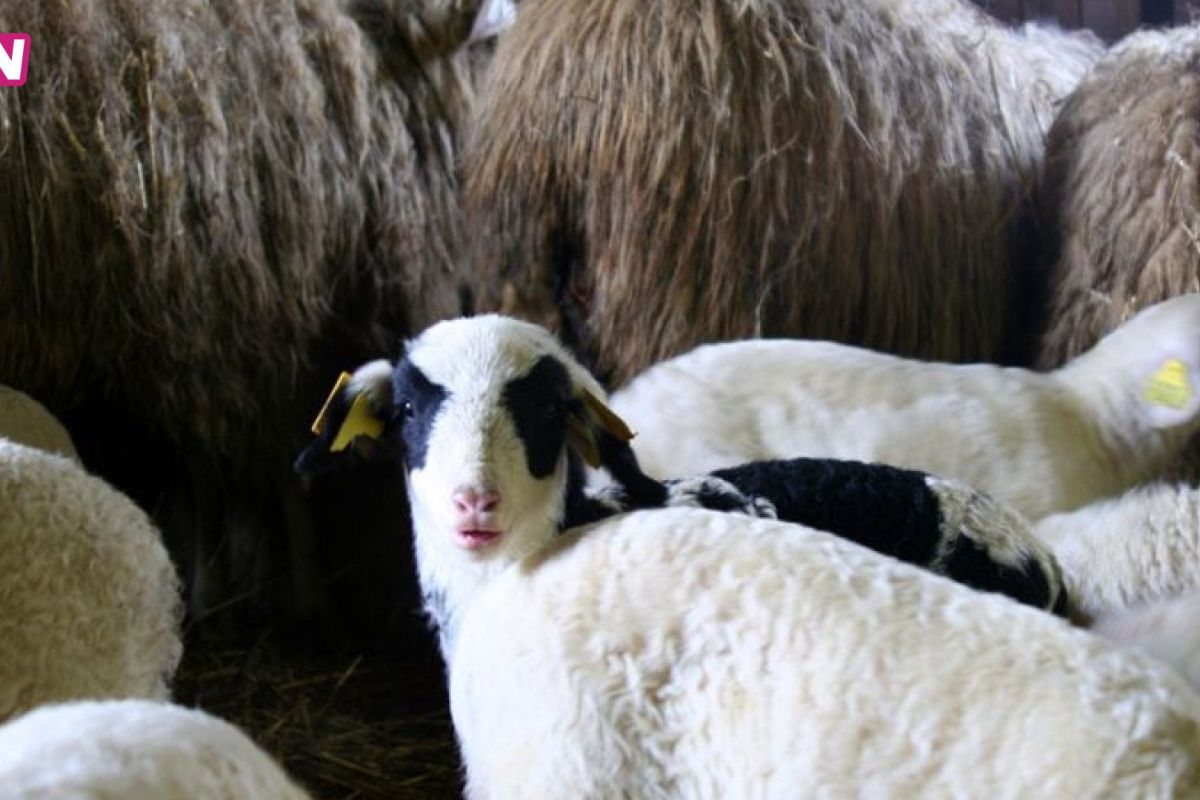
(594,414)
(359,421)
(1170,386)
(319,423)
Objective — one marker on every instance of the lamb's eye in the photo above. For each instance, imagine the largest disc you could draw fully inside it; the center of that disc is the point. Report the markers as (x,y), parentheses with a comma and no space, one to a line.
(407,411)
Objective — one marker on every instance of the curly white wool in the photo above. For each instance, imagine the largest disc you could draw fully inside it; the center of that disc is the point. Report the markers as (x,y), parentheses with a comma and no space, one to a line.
(685,654)
(89,599)
(1168,630)
(1137,548)
(688,653)
(134,750)
(1041,442)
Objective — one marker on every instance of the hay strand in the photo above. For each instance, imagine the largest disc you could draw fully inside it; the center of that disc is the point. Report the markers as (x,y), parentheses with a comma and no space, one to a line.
(344,726)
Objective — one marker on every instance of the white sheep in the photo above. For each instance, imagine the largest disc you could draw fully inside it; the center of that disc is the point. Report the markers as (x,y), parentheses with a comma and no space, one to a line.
(134,750)
(683,653)
(942,525)
(89,600)
(1137,548)
(689,653)
(1169,630)
(1131,565)
(1042,442)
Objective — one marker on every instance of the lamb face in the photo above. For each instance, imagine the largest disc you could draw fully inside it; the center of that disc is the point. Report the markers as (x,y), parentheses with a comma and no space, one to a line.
(483,420)
(481,407)
(480,411)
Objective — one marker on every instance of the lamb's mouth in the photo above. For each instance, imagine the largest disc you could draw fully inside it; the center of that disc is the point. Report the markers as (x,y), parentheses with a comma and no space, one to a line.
(476,539)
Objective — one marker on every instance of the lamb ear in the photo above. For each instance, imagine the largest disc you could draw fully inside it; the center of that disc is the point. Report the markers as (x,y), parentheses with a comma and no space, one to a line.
(355,409)
(602,439)
(588,420)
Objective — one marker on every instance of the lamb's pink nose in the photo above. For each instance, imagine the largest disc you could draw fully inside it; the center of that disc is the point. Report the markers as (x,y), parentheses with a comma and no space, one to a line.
(476,500)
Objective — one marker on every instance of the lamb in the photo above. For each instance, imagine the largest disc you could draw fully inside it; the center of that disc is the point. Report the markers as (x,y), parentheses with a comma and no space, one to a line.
(134,750)
(918,518)
(942,525)
(683,652)
(644,176)
(89,600)
(1040,442)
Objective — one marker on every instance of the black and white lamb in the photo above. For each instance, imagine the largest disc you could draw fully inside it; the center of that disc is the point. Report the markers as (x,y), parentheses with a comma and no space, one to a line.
(528,395)
(684,652)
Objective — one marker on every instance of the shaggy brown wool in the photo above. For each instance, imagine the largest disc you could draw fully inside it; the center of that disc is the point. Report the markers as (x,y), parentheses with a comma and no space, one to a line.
(1122,190)
(210,207)
(659,173)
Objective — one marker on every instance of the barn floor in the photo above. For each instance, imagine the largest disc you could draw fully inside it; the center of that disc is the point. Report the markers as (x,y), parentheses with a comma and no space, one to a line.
(344,726)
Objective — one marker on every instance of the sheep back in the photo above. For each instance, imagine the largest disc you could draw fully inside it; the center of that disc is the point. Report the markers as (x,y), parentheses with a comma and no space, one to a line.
(1123,551)
(646,176)
(89,600)
(133,750)
(1120,195)
(687,653)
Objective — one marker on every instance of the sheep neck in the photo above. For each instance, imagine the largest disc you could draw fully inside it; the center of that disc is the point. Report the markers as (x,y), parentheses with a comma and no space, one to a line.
(450,579)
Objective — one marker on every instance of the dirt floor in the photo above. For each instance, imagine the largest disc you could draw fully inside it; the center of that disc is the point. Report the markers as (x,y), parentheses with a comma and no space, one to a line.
(345,726)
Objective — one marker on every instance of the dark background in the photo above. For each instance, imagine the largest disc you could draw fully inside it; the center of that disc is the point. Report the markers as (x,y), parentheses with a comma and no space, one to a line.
(1110,19)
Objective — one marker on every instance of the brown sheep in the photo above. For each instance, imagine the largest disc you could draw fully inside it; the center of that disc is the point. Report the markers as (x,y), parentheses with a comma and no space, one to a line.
(646,175)
(1122,190)
(211,206)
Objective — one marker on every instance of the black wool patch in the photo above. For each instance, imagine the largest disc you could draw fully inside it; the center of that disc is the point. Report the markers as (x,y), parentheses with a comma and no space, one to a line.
(538,404)
(618,458)
(887,509)
(971,565)
(417,401)
(580,509)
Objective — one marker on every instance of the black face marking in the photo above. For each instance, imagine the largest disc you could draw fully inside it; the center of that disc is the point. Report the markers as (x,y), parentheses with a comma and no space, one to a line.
(416,400)
(538,404)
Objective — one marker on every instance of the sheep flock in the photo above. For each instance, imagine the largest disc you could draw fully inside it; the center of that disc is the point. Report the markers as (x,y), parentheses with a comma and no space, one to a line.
(737,398)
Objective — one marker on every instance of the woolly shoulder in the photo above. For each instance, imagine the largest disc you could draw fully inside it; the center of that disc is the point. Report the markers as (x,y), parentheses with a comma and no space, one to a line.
(134,750)
(89,599)
(623,640)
